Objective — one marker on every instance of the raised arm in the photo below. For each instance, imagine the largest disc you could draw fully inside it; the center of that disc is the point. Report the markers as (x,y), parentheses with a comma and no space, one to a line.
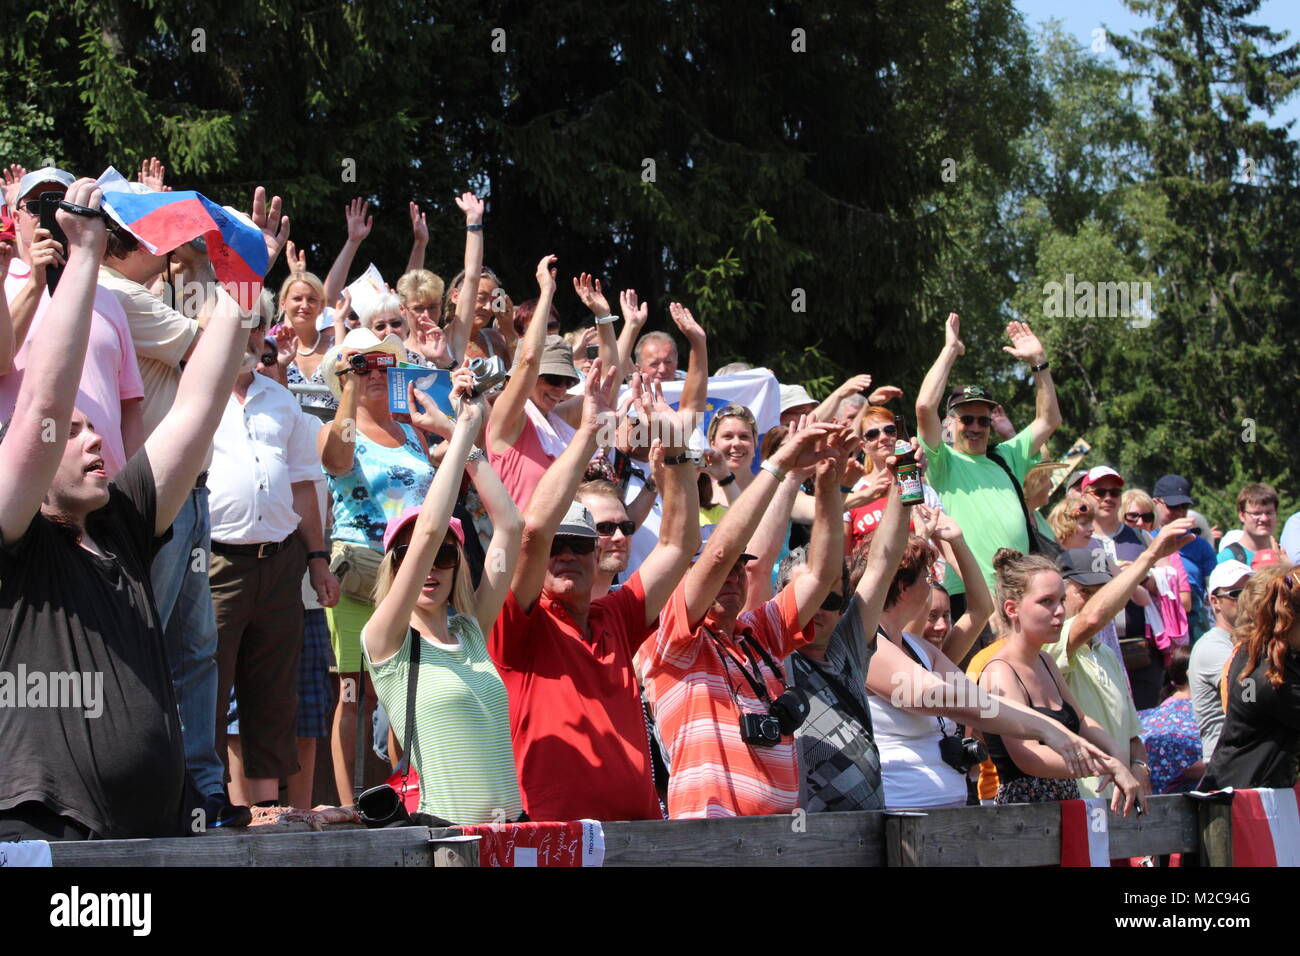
(695,389)
(929,400)
(1106,603)
(7,346)
(419,239)
(826,549)
(385,631)
(508,412)
(554,493)
(803,448)
(1047,411)
(337,440)
(503,550)
(462,325)
(589,291)
(979,603)
(357,214)
(679,528)
(773,532)
(39,430)
(831,404)
(635,316)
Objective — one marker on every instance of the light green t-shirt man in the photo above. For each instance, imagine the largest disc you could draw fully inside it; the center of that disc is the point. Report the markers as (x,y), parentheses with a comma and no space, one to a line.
(1096,678)
(979,496)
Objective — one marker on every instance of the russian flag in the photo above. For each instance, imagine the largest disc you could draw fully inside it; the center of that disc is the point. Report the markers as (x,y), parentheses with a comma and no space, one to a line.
(163,221)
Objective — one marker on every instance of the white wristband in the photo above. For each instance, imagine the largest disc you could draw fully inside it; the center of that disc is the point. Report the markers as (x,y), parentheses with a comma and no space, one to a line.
(773,470)
(605,320)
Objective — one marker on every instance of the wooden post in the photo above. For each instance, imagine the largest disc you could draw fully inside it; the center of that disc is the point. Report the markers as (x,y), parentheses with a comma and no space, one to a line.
(1216,833)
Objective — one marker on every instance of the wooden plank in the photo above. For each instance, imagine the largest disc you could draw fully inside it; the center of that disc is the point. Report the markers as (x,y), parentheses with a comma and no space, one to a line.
(1215,820)
(1030,834)
(799,839)
(454,850)
(400,846)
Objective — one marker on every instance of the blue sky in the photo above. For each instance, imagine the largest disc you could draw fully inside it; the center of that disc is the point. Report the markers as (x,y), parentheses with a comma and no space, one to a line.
(1082,19)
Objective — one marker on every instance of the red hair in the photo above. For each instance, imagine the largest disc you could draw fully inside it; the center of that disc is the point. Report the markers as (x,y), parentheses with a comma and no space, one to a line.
(1268,635)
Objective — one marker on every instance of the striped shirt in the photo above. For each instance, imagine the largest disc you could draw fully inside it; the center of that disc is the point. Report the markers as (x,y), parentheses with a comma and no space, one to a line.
(714,772)
(462,726)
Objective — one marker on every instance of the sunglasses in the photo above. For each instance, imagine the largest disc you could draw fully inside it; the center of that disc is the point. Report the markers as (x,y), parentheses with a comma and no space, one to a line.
(558,381)
(982,420)
(1235,593)
(33,207)
(871,434)
(579,546)
(1139,516)
(607,528)
(1105,492)
(834,602)
(448,555)
(1082,511)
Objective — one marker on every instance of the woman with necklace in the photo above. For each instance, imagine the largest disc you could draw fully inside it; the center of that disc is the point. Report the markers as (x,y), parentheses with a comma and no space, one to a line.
(300,345)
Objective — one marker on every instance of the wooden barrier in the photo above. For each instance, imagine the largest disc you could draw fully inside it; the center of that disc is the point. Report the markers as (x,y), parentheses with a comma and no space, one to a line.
(1019,835)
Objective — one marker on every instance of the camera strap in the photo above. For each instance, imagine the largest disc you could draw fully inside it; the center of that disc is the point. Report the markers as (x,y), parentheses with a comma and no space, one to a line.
(756,683)
(911,652)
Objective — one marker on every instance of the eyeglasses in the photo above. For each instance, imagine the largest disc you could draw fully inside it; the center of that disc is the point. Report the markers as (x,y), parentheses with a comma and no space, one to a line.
(558,381)
(983,420)
(607,528)
(1105,492)
(1139,516)
(448,555)
(1258,515)
(834,602)
(578,546)
(1235,593)
(871,434)
(384,324)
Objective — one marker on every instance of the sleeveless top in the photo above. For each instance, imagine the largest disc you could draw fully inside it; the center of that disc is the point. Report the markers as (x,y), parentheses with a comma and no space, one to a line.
(1067,716)
(382,483)
(522,465)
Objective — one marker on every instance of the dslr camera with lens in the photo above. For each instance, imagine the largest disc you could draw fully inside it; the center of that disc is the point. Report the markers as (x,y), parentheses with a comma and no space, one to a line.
(962,753)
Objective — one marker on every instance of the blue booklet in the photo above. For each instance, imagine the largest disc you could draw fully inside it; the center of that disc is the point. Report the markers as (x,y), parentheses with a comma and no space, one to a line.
(434,382)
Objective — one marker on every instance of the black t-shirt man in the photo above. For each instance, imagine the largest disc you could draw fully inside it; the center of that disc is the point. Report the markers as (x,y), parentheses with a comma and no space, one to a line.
(114,764)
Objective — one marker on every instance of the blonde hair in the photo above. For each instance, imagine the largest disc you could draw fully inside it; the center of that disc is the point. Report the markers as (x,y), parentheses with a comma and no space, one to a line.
(306,278)
(420,284)
(1136,496)
(1064,520)
(462,600)
(1015,571)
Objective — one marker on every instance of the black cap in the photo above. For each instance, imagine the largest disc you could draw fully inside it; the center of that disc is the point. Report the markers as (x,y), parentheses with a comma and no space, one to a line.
(971,393)
(1081,565)
(1173,490)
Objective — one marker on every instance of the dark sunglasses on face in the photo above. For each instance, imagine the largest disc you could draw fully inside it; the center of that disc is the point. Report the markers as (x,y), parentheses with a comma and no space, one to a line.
(579,546)
(33,207)
(834,602)
(448,555)
(1235,593)
(607,528)
(1139,516)
(982,420)
(558,381)
(871,434)
(1104,492)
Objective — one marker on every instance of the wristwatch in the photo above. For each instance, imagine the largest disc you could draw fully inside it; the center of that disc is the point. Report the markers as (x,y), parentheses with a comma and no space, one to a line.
(476,455)
(1140,763)
(1041,368)
(723,482)
(312,555)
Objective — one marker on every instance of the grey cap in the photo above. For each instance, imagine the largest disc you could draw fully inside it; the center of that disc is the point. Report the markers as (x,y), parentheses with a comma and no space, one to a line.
(557,359)
(1086,566)
(48,174)
(577,522)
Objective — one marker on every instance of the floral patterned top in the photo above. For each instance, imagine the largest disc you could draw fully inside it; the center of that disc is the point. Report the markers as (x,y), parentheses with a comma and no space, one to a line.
(1173,743)
(382,483)
(321,400)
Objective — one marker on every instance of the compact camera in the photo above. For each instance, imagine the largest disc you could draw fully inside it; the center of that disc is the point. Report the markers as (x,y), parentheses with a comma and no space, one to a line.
(760,730)
(363,362)
(962,753)
(488,373)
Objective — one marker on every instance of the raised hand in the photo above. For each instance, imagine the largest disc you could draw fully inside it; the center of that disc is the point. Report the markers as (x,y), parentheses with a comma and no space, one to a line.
(6,257)
(286,343)
(672,428)
(44,252)
(472,207)
(13,175)
(1002,423)
(854,385)
(463,398)
(359,220)
(806,443)
(431,342)
(598,394)
(681,315)
(1024,344)
(296,259)
(546,277)
(884,394)
(275,227)
(952,334)
(152,174)
(592,295)
(634,313)
(1173,536)
(419,226)
(89,233)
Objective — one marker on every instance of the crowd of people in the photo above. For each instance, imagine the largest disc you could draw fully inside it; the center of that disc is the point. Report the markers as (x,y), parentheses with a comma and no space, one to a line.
(562,577)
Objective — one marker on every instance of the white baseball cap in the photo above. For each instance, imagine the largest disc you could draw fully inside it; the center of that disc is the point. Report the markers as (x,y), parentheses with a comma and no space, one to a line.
(1227,575)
